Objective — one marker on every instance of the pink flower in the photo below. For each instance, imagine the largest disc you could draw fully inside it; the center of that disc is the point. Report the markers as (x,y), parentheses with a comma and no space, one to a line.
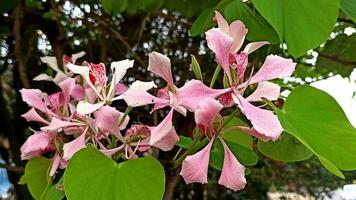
(195,167)
(180,99)
(225,42)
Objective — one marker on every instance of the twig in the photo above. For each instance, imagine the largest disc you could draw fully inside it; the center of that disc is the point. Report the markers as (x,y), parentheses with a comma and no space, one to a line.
(15,169)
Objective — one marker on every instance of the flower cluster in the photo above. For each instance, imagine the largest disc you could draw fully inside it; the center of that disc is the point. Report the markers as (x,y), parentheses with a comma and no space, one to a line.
(81,113)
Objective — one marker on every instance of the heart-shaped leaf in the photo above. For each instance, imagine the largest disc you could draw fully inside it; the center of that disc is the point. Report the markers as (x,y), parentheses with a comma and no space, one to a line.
(302,24)
(92,175)
(317,121)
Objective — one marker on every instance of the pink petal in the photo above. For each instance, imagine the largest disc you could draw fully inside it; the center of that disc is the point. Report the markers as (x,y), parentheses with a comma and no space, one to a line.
(253,46)
(238,32)
(222,23)
(161,66)
(70,148)
(266,90)
(34,98)
(195,167)
(233,173)
(164,136)
(78,92)
(57,159)
(194,92)
(67,87)
(36,145)
(108,119)
(58,124)
(137,95)
(274,67)
(264,121)
(120,88)
(207,110)
(220,43)
(33,116)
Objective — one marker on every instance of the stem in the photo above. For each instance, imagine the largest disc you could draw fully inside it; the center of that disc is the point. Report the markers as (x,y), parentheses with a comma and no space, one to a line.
(215,75)
(275,109)
(127,111)
(178,152)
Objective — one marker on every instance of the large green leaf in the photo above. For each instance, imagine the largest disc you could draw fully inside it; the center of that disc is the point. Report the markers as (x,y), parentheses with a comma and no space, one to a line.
(302,24)
(317,121)
(234,135)
(246,156)
(36,176)
(349,7)
(286,149)
(56,191)
(92,175)
(203,22)
(258,28)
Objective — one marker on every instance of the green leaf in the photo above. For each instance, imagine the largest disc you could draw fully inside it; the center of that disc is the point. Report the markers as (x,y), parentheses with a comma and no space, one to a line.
(302,24)
(246,156)
(115,6)
(152,5)
(184,142)
(56,191)
(202,23)
(349,7)
(286,149)
(258,27)
(235,135)
(317,121)
(36,176)
(92,175)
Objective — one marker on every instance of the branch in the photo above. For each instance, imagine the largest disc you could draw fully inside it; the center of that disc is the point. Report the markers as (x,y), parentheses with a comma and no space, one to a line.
(10,168)
(118,35)
(337,59)
(16,31)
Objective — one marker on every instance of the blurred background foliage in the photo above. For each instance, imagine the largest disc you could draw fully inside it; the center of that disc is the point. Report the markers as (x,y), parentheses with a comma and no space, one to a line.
(110,30)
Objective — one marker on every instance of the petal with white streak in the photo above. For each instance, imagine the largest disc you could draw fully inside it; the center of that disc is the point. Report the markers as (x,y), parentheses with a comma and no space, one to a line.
(253,46)
(266,90)
(263,121)
(274,67)
(84,107)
